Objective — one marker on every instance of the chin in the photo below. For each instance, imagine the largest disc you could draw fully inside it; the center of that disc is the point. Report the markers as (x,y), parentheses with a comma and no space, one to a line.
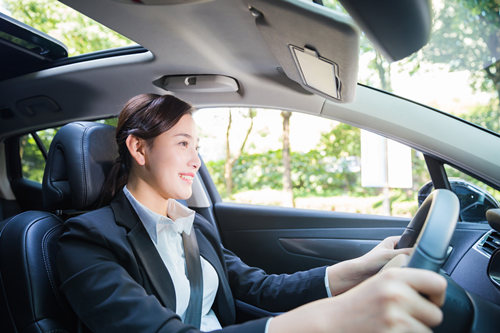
(183,196)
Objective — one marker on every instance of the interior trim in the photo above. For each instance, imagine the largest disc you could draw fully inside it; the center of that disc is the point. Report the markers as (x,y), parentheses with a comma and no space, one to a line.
(334,248)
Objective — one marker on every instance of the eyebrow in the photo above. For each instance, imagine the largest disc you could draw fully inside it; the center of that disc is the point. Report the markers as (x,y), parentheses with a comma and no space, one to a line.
(186,136)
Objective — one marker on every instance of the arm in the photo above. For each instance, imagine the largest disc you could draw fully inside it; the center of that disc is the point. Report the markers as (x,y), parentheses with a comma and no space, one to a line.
(391,301)
(273,292)
(347,274)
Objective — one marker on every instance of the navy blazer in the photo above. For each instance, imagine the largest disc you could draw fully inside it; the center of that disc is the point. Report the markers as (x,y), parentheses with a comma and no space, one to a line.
(115,280)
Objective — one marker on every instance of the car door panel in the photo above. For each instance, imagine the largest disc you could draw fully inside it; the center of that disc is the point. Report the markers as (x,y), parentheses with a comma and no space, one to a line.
(281,239)
(285,240)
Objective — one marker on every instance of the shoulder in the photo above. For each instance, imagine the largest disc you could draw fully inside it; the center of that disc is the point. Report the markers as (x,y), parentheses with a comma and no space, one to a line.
(99,223)
(205,227)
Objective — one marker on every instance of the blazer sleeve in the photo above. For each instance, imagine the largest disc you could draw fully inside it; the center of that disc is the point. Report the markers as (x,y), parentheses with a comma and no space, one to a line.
(95,272)
(271,292)
(274,292)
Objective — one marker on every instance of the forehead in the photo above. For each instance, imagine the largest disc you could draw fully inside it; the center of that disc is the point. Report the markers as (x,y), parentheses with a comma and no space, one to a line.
(184,127)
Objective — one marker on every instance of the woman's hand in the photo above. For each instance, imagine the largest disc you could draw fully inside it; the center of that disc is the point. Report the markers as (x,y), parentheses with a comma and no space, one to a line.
(347,274)
(391,301)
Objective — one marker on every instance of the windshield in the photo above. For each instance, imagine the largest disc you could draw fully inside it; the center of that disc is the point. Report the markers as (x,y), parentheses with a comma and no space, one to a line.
(458,71)
(77,32)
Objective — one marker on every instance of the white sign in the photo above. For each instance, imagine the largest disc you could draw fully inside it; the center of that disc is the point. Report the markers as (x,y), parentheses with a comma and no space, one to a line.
(384,163)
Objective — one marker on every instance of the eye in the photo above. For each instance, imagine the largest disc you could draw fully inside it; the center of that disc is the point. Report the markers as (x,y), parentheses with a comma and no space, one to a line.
(184,144)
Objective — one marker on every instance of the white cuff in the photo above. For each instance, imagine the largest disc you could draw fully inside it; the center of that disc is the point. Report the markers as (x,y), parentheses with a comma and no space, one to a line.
(327,284)
(267,325)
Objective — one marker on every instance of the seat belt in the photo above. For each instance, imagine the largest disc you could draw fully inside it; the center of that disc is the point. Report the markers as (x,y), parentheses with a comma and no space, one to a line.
(195,277)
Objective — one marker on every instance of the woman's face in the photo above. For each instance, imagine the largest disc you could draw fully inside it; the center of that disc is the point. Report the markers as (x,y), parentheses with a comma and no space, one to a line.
(172,161)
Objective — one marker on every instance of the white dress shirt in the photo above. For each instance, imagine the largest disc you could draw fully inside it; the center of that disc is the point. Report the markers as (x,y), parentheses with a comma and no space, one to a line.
(165,232)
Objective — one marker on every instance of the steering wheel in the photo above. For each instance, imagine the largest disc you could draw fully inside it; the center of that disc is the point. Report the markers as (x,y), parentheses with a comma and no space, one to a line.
(431,230)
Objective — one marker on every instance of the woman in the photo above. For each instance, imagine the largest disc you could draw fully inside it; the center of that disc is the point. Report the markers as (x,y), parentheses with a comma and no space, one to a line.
(123,267)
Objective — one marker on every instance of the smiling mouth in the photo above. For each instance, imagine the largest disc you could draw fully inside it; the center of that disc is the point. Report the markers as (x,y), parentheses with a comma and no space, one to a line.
(187,178)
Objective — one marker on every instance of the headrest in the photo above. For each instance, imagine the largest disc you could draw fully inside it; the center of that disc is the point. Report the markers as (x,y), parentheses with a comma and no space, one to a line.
(80,156)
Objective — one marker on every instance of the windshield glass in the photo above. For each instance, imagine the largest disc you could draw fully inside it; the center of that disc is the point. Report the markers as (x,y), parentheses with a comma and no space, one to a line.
(458,71)
(77,32)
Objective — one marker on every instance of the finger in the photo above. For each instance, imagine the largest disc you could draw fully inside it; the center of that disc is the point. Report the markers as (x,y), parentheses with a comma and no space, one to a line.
(407,250)
(425,282)
(413,325)
(423,309)
(391,241)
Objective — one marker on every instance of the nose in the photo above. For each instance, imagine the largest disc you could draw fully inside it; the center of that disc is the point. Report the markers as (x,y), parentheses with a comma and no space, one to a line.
(195,162)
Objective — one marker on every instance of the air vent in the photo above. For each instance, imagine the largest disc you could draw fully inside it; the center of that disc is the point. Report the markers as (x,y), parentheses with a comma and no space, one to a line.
(490,243)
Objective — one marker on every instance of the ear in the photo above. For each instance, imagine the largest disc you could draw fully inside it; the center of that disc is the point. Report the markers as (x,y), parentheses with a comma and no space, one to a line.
(136,147)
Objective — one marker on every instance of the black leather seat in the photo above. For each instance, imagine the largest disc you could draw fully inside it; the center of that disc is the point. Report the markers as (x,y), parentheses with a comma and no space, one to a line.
(79,158)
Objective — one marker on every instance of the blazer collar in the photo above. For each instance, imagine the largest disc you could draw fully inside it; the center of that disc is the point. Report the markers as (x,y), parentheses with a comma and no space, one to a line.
(144,249)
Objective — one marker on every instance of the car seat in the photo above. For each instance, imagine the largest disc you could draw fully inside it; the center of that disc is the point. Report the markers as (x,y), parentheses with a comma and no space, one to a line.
(80,156)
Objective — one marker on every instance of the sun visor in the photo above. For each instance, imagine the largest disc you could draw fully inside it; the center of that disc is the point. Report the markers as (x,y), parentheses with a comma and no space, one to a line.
(315,46)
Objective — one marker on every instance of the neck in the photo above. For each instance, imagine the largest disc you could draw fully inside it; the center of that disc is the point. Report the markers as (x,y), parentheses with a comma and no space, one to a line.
(147,195)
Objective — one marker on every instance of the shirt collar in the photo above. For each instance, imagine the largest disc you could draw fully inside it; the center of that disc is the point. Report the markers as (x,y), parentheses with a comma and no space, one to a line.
(179,216)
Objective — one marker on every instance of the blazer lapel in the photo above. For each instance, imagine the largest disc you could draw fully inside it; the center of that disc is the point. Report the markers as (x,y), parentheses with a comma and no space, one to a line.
(224,302)
(145,250)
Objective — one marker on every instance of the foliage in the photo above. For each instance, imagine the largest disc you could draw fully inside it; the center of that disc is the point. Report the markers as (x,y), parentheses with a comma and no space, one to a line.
(327,170)
(468,31)
(311,174)
(33,162)
(484,115)
(341,141)
(79,33)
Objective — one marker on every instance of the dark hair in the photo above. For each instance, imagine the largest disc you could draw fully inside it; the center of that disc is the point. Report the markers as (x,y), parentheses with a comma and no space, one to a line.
(145,116)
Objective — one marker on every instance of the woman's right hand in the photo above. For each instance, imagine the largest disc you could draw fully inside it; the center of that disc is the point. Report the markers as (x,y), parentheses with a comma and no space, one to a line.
(390,301)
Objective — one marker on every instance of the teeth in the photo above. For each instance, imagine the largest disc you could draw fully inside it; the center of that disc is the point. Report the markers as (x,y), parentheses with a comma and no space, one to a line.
(186,177)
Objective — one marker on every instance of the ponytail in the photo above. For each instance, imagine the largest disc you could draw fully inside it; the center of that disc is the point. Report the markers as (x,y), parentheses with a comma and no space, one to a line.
(116,179)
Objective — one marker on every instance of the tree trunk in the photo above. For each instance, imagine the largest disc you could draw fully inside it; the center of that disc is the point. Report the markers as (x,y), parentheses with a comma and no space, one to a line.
(228,165)
(230,160)
(287,170)
(493,73)
(384,72)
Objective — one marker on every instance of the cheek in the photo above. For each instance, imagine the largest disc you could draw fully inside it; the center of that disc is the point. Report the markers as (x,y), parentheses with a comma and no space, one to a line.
(168,168)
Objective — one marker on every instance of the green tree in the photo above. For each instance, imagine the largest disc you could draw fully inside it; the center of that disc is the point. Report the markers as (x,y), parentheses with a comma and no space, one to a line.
(486,116)
(33,162)
(341,141)
(468,32)
(232,158)
(287,169)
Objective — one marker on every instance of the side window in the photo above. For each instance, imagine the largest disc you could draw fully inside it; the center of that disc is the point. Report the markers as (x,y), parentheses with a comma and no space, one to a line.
(272,157)
(32,149)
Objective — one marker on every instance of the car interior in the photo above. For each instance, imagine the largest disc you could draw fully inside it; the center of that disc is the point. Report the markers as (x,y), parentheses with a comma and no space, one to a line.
(275,54)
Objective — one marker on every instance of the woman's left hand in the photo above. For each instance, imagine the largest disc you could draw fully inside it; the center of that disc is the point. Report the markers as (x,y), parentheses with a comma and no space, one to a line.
(347,274)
